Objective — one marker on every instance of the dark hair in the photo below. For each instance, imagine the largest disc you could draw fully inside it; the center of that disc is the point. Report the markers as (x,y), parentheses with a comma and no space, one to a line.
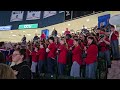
(2,58)
(112,26)
(102,27)
(98,28)
(75,36)
(33,48)
(43,44)
(52,38)
(1,44)
(69,35)
(92,38)
(62,39)
(103,30)
(77,40)
(22,52)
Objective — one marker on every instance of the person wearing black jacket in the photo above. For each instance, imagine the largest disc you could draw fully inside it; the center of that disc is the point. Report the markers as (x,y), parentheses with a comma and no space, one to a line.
(21,68)
(24,40)
(2,59)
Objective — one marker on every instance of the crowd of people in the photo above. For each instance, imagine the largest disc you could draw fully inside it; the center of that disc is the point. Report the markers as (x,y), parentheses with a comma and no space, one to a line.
(72,54)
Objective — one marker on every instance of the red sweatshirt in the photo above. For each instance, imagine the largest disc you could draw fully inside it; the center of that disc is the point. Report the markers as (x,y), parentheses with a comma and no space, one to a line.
(104,46)
(52,52)
(114,37)
(92,53)
(27,53)
(62,58)
(77,55)
(42,54)
(34,56)
(69,42)
(43,36)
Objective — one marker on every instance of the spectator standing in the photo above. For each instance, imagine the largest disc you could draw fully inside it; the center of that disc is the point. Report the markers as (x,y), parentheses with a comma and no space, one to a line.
(104,47)
(41,61)
(24,40)
(34,61)
(62,58)
(66,32)
(114,42)
(54,33)
(91,58)
(21,68)
(51,50)
(76,59)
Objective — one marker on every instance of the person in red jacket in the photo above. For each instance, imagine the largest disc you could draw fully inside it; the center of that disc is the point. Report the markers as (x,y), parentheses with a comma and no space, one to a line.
(43,36)
(62,58)
(69,42)
(34,61)
(51,50)
(91,58)
(27,59)
(57,42)
(114,38)
(104,48)
(66,32)
(76,59)
(42,55)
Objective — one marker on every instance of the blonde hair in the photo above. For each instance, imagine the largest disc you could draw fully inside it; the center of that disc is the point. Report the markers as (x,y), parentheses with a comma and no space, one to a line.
(6,72)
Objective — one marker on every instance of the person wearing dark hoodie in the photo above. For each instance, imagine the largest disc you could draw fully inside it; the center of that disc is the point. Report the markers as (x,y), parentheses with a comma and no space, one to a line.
(21,68)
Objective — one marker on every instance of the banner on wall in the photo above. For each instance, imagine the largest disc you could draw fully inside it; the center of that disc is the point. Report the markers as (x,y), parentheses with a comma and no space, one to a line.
(28,26)
(49,13)
(68,15)
(16,16)
(61,11)
(5,27)
(104,20)
(33,15)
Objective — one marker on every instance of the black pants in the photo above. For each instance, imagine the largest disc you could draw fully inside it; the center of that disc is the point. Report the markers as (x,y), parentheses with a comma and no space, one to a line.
(51,65)
(69,62)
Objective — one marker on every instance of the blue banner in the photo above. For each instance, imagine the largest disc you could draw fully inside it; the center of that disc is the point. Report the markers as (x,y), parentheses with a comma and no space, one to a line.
(103,19)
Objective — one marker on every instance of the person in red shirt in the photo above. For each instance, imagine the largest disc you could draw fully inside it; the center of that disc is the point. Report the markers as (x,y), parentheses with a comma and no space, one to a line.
(62,58)
(41,60)
(91,58)
(28,51)
(69,42)
(66,32)
(104,50)
(34,61)
(43,36)
(51,50)
(76,59)
(114,42)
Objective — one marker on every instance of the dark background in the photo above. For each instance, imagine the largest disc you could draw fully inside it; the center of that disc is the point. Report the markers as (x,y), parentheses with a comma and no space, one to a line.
(58,18)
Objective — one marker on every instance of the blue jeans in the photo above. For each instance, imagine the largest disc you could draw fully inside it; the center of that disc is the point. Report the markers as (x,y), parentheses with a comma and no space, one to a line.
(40,65)
(91,70)
(61,68)
(115,48)
(75,70)
(51,65)
(106,56)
